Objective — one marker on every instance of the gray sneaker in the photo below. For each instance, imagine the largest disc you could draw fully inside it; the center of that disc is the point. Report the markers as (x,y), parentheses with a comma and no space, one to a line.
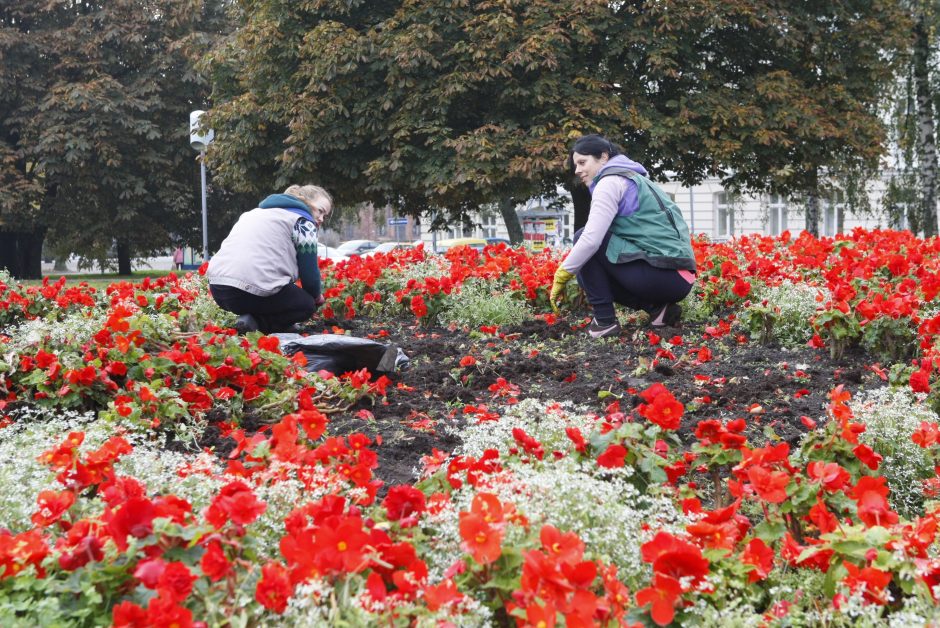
(603,330)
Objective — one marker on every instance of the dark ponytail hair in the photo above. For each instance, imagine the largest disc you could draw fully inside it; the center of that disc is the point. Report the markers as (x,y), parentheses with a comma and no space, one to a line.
(594,145)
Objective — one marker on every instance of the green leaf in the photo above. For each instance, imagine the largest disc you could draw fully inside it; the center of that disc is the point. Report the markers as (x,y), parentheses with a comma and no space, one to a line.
(770,530)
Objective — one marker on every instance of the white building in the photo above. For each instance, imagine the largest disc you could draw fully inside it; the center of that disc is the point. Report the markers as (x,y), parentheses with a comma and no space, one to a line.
(710,210)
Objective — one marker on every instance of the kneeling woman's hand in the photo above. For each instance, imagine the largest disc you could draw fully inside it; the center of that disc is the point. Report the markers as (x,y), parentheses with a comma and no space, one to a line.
(562,277)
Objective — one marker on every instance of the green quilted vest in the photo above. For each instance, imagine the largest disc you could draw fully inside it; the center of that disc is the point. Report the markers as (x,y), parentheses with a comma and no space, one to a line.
(656,233)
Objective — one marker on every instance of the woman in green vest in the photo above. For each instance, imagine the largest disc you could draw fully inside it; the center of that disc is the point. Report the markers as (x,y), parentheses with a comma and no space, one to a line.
(635,248)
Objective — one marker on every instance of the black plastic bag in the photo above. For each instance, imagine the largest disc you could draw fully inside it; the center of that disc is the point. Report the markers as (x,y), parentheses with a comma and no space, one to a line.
(338,354)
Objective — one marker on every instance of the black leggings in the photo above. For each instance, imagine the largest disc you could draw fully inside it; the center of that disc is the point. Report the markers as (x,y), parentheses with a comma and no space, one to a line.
(274,313)
(636,284)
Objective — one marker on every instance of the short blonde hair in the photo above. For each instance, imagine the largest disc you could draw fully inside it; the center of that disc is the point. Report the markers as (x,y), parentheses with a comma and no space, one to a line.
(310,194)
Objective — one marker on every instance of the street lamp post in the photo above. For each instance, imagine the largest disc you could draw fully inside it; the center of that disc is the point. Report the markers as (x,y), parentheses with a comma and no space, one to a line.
(200,140)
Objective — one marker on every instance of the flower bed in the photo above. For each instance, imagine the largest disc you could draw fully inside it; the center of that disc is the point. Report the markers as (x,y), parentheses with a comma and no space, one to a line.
(771,461)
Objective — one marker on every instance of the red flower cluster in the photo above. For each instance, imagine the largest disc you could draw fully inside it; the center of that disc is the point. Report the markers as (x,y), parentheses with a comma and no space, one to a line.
(678,567)
(481,529)
(661,407)
(557,580)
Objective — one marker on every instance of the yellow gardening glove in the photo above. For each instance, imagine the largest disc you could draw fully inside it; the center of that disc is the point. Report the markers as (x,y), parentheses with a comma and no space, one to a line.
(562,277)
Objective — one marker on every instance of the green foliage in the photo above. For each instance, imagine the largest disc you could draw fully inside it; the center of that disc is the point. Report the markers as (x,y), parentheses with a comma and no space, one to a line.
(94,121)
(761,320)
(891,340)
(478,304)
(448,106)
(438,105)
(694,308)
(840,329)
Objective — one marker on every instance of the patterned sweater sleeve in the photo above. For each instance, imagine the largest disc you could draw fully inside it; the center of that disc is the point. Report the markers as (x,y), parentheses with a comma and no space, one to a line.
(305,243)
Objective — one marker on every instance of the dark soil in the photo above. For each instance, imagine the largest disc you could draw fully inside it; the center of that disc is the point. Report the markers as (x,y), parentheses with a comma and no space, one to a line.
(769,386)
(560,362)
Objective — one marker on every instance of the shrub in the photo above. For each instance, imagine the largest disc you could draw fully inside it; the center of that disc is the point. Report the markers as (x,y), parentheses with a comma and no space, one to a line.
(890,339)
(477,304)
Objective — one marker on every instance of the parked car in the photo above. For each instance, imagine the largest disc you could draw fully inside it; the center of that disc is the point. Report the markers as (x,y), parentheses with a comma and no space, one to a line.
(388,247)
(443,245)
(498,241)
(356,247)
(329,252)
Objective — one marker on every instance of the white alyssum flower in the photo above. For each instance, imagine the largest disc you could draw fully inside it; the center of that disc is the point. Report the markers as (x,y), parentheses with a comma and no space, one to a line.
(478,303)
(607,512)
(159,471)
(797,303)
(73,330)
(22,475)
(545,422)
(890,416)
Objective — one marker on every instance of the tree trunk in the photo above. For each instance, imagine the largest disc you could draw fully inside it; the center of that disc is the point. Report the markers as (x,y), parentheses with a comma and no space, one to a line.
(507,208)
(581,198)
(840,218)
(124,258)
(812,204)
(21,253)
(926,135)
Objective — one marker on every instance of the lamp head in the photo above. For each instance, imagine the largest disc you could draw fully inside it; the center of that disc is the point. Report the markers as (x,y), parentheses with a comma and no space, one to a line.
(197,139)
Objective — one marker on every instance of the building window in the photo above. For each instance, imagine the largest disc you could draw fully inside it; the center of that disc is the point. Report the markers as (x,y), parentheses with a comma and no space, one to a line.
(489,226)
(777,218)
(834,205)
(416,230)
(381,229)
(724,210)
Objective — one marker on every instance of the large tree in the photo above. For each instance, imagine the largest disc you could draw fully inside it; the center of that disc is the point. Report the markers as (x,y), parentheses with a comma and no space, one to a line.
(446,105)
(99,126)
(432,107)
(770,95)
(24,70)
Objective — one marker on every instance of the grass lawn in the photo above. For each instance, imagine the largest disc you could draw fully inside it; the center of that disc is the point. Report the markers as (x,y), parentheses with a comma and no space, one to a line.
(98,280)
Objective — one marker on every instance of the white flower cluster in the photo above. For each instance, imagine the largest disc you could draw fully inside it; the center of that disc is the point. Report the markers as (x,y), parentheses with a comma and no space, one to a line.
(158,470)
(545,423)
(22,475)
(695,309)
(74,329)
(797,303)
(281,497)
(915,612)
(607,512)
(890,416)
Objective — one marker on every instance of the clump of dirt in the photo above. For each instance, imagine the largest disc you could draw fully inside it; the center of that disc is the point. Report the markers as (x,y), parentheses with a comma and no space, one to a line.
(722,377)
